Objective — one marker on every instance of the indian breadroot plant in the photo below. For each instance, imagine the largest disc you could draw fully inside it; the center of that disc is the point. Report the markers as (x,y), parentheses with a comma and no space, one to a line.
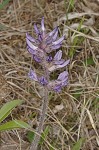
(40,48)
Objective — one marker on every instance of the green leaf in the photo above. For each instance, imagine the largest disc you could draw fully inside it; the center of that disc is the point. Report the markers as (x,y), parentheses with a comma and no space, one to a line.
(44,135)
(89,61)
(7,108)
(77,93)
(77,40)
(30,136)
(78,144)
(4,3)
(13,125)
(70,6)
(96,103)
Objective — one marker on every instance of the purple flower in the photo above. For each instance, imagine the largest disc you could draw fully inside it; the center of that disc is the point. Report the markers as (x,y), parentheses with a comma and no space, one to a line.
(36,29)
(53,32)
(36,52)
(59,41)
(57,88)
(52,36)
(49,58)
(58,56)
(30,45)
(58,62)
(37,58)
(61,81)
(45,42)
(30,38)
(42,80)
(32,75)
(31,51)
(40,49)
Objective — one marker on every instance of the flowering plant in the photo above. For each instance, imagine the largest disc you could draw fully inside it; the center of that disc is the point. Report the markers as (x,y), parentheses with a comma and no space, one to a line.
(40,49)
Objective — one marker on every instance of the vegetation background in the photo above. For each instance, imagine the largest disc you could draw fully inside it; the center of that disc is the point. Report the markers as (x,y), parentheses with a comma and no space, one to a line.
(72,121)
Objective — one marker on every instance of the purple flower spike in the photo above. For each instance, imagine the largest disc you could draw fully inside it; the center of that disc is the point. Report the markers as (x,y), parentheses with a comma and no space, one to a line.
(32,75)
(43,81)
(40,50)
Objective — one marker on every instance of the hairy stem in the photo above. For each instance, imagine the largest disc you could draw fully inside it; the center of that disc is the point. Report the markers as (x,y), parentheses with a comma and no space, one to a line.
(34,145)
(35,142)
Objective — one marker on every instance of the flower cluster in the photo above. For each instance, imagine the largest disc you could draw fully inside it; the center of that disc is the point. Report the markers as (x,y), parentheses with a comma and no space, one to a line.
(40,49)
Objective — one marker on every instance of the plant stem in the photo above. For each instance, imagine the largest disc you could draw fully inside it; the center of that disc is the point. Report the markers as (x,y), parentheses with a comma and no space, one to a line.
(35,142)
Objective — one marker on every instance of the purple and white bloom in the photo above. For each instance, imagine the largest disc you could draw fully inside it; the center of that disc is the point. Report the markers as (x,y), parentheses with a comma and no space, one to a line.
(61,81)
(52,36)
(57,44)
(30,45)
(34,50)
(58,62)
(49,58)
(42,80)
(32,75)
(36,29)
(45,43)
(40,49)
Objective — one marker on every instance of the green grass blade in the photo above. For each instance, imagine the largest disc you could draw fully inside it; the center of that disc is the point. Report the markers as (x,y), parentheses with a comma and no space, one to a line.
(7,108)
(76,39)
(31,135)
(89,61)
(14,124)
(78,144)
(4,3)
(44,135)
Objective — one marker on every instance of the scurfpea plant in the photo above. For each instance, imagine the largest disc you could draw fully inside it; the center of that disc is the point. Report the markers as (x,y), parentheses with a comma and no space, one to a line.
(41,49)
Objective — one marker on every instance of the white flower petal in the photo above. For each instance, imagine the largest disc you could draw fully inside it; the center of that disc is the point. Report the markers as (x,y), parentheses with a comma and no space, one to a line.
(42,24)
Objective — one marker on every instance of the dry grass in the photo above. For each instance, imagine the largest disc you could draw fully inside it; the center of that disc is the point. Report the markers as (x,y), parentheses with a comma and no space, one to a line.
(72,114)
